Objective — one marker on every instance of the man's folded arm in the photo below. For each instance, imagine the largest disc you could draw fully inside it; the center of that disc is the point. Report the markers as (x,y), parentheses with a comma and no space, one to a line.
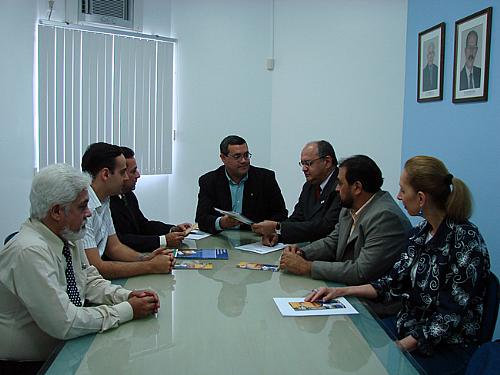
(323,249)
(50,307)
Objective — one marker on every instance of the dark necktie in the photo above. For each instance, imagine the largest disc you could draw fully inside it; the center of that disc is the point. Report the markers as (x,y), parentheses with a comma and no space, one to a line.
(470,81)
(318,192)
(71,288)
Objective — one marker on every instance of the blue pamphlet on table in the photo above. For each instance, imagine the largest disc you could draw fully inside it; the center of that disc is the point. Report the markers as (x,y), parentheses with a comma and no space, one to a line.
(201,254)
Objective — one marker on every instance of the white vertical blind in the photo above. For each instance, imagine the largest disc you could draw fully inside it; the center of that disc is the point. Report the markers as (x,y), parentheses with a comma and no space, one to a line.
(95,87)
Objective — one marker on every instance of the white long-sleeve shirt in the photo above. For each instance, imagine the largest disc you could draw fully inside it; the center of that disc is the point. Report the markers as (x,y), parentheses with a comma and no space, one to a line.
(35,310)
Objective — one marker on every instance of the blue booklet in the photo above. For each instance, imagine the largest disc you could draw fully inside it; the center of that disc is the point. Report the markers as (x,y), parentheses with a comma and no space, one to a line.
(201,254)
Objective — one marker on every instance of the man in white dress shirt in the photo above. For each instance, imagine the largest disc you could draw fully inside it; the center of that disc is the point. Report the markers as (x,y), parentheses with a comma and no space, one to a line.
(107,166)
(46,279)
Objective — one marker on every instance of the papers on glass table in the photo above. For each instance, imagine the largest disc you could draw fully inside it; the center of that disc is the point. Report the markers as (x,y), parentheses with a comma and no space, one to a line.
(258,248)
(197,235)
(236,216)
(297,307)
(193,265)
(201,253)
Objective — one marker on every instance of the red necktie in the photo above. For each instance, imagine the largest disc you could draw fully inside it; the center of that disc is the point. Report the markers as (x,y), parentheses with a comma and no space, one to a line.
(318,192)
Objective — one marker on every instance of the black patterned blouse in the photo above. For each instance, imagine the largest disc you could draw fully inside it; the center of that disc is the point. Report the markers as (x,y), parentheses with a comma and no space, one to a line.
(441,283)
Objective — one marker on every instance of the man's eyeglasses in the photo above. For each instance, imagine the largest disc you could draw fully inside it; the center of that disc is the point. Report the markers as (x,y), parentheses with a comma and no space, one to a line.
(308,163)
(238,157)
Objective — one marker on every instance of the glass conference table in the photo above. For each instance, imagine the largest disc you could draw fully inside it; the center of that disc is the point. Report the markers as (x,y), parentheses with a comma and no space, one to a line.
(224,321)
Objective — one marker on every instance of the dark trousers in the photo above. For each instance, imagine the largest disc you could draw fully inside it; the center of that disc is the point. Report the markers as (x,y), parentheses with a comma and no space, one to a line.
(19,368)
(446,360)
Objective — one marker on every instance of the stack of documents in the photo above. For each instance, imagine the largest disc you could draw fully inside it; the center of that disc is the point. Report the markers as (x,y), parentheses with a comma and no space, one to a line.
(258,248)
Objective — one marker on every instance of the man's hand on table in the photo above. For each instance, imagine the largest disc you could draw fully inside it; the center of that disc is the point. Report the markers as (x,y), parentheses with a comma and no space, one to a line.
(144,303)
(292,261)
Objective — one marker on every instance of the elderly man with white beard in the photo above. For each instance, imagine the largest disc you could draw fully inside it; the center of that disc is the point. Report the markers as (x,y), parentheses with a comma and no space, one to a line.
(45,278)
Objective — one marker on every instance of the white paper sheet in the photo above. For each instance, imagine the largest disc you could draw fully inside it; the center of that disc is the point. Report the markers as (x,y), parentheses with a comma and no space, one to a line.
(287,310)
(197,235)
(258,248)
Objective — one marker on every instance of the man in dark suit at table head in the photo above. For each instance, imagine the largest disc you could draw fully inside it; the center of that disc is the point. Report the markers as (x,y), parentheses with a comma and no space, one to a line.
(108,168)
(238,186)
(132,227)
(46,279)
(371,232)
(470,75)
(318,208)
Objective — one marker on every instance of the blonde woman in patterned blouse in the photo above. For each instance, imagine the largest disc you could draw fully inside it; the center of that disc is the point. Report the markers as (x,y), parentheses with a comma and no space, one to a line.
(440,277)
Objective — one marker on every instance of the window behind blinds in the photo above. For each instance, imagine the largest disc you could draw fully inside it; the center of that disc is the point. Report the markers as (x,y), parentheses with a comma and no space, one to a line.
(95,87)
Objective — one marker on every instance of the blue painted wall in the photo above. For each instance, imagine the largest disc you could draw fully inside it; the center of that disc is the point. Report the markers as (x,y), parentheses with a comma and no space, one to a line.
(465,136)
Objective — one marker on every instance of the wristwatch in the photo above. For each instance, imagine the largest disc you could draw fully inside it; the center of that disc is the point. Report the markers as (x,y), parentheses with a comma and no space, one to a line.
(278,228)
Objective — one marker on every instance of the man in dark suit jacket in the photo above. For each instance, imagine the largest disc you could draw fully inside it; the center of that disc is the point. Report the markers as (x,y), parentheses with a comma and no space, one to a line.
(470,75)
(369,237)
(318,208)
(237,186)
(430,70)
(476,79)
(132,227)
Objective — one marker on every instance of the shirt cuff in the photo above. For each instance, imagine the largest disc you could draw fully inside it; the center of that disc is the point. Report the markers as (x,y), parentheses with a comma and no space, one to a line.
(217,223)
(122,294)
(163,241)
(125,312)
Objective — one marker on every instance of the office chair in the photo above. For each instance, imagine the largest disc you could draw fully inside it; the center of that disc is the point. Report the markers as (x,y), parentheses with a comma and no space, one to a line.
(8,238)
(490,309)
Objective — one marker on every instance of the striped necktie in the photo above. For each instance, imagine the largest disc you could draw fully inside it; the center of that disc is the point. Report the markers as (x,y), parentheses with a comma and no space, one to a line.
(71,288)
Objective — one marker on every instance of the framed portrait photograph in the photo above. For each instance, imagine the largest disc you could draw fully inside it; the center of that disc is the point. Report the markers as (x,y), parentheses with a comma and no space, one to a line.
(430,64)
(472,57)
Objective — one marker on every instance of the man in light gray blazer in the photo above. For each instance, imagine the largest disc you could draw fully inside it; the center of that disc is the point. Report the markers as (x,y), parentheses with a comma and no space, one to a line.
(369,237)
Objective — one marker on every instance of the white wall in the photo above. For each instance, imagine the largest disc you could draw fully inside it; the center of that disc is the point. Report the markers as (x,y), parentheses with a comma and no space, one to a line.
(339,76)
(339,72)
(223,88)
(17,31)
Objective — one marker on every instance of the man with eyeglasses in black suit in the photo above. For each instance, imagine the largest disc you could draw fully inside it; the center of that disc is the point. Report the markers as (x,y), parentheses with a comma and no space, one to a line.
(240,187)
(317,211)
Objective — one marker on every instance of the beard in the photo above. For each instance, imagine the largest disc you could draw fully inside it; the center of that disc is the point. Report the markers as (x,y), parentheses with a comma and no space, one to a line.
(347,202)
(71,235)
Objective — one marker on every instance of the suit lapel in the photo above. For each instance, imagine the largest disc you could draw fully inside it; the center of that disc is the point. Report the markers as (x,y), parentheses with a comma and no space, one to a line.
(345,228)
(248,192)
(325,195)
(126,201)
(313,204)
(355,233)
(223,191)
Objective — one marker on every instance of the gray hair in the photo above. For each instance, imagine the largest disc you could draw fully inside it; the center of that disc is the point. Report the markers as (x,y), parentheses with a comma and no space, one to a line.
(55,184)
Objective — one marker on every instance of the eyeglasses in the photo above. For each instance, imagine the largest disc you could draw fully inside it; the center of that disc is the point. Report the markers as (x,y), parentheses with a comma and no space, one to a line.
(238,157)
(308,163)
